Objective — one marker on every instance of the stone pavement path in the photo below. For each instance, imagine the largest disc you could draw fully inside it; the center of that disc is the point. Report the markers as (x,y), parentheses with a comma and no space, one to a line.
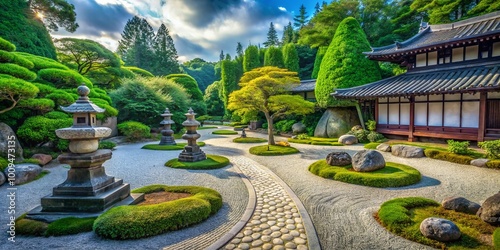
(276,222)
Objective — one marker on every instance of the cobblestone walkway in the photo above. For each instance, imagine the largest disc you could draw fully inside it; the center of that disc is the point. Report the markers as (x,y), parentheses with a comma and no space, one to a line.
(276,222)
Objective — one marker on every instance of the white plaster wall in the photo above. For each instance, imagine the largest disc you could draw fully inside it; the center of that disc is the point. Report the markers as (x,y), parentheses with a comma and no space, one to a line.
(471,52)
(436,114)
(432,58)
(452,97)
(471,96)
(421,114)
(470,114)
(393,113)
(452,114)
(405,114)
(382,114)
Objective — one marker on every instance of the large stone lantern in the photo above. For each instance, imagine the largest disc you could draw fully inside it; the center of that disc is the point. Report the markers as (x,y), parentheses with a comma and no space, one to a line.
(87,189)
(192,151)
(167,132)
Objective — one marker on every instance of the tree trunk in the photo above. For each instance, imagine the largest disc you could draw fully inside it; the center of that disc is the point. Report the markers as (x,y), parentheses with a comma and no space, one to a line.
(270,127)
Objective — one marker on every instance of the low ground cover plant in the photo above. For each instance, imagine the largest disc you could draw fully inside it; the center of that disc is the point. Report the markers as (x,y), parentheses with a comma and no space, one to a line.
(212,162)
(304,139)
(178,146)
(270,150)
(224,132)
(249,140)
(64,226)
(134,131)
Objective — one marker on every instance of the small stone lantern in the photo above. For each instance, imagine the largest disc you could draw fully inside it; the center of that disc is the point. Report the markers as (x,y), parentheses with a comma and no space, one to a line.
(192,151)
(166,132)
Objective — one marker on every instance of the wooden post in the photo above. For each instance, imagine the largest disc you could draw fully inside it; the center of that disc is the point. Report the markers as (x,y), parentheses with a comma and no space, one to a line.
(360,115)
(412,119)
(482,116)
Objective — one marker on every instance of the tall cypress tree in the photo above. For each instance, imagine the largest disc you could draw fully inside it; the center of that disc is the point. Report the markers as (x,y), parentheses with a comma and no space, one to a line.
(272,36)
(274,57)
(317,61)
(291,57)
(251,58)
(288,34)
(229,81)
(344,64)
(239,50)
(135,47)
(165,55)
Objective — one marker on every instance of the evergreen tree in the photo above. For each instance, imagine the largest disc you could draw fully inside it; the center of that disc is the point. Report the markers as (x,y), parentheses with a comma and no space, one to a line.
(317,62)
(274,57)
(228,57)
(262,55)
(291,57)
(165,55)
(272,37)
(229,82)
(344,64)
(300,20)
(288,34)
(306,61)
(251,58)
(55,13)
(484,7)
(135,46)
(444,11)
(221,55)
(317,8)
(215,106)
(239,50)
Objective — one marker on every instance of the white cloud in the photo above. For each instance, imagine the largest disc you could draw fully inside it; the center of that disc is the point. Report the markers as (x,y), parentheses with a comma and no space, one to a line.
(282,8)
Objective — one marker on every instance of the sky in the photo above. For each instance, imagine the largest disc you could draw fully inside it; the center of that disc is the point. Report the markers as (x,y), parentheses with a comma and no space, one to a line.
(200,28)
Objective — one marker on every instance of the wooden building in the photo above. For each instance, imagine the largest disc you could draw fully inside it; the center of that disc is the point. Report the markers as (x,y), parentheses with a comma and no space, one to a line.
(306,90)
(451,89)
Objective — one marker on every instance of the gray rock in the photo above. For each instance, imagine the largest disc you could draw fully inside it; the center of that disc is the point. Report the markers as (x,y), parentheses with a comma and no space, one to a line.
(336,122)
(440,229)
(384,147)
(460,204)
(338,159)
(367,161)
(348,139)
(479,162)
(298,128)
(6,142)
(407,151)
(490,210)
(43,159)
(25,172)
(294,137)
(2,178)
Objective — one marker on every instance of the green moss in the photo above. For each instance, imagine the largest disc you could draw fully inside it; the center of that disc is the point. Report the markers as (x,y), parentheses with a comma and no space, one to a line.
(39,176)
(179,146)
(493,164)
(224,132)
(6,45)
(403,217)
(70,225)
(393,175)
(17,71)
(133,222)
(270,150)
(206,127)
(496,239)
(212,162)
(30,227)
(447,156)
(249,140)
(4,163)
(372,145)
(317,141)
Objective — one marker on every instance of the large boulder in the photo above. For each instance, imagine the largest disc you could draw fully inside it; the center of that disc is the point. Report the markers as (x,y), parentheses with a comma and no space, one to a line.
(460,204)
(384,147)
(298,128)
(407,151)
(348,139)
(42,159)
(367,161)
(25,172)
(490,210)
(440,229)
(8,140)
(2,178)
(336,122)
(338,159)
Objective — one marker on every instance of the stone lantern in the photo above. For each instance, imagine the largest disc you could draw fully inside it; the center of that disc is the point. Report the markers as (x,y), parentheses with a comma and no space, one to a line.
(88,190)
(166,132)
(192,151)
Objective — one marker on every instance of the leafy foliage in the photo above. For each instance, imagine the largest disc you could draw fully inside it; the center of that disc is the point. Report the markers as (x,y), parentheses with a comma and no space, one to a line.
(13,90)
(139,71)
(70,225)
(448,156)
(56,13)
(17,71)
(41,62)
(456,147)
(291,57)
(134,130)
(344,65)
(107,145)
(492,148)
(229,81)
(63,78)
(37,130)
(251,58)
(203,72)
(274,57)
(164,53)
(272,36)
(284,125)
(215,106)
(317,62)
(6,45)
(189,84)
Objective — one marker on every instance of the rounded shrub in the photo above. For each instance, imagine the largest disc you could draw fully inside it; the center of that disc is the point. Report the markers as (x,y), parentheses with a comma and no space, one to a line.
(139,71)
(23,62)
(249,140)
(212,162)
(41,62)
(17,71)
(38,130)
(45,89)
(134,130)
(189,83)
(6,56)
(40,104)
(61,98)
(6,45)
(107,145)
(63,78)
(134,222)
(392,175)
(70,225)
(57,115)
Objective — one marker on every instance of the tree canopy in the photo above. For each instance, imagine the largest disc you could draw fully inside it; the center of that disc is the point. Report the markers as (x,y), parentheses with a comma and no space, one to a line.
(291,57)
(274,57)
(251,58)
(55,13)
(267,90)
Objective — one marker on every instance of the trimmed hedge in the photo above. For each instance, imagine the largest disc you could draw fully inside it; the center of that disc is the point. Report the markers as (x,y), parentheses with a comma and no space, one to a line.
(393,175)
(447,156)
(249,140)
(7,57)
(179,146)
(134,130)
(44,89)
(61,98)
(6,45)
(17,71)
(134,222)
(41,62)
(107,145)
(212,162)
(38,129)
(224,132)
(40,104)
(270,150)
(57,115)
(63,78)
(70,225)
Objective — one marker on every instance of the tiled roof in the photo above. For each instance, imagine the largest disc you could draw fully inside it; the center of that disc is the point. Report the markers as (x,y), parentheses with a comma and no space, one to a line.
(458,79)
(305,85)
(83,106)
(445,33)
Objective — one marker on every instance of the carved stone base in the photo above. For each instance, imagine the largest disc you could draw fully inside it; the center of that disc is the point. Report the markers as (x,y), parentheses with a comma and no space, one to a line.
(192,154)
(167,140)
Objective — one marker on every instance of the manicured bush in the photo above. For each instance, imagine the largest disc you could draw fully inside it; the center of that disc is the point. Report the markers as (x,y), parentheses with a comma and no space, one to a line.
(212,162)
(107,145)
(17,71)
(5,56)
(392,175)
(456,147)
(224,132)
(6,45)
(178,146)
(284,125)
(40,104)
(447,156)
(374,136)
(492,148)
(496,239)
(61,98)
(371,125)
(45,89)
(133,222)
(70,225)
(493,164)
(41,62)
(249,140)
(134,130)
(139,71)
(30,227)
(57,115)
(38,130)
(63,78)
(361,134)
(189,83)
(270,150)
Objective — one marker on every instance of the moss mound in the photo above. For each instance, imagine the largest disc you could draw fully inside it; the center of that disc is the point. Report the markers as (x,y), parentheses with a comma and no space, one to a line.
(372,145)
(403,216)
(134,222)
(249,140)
(447,156)
(224,132)
(393,175)
(179,146)
(496,239)
(64,226)
(212,162)
(317,141)
(270,150)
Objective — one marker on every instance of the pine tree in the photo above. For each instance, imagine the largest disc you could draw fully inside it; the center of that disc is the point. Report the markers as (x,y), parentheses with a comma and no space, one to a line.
(274,57)
(135,47)
(344,64)
(300,20)
(221,55)
(165,55)
(239,50)
(288,34)
(272,37)
(251,58)
(291,57)
(317,8)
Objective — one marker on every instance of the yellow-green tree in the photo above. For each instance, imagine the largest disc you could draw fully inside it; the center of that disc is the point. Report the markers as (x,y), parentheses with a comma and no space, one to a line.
(267,90)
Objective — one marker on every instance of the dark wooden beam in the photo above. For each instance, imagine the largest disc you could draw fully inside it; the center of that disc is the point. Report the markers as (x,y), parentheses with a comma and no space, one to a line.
(482,116)
(412,119)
